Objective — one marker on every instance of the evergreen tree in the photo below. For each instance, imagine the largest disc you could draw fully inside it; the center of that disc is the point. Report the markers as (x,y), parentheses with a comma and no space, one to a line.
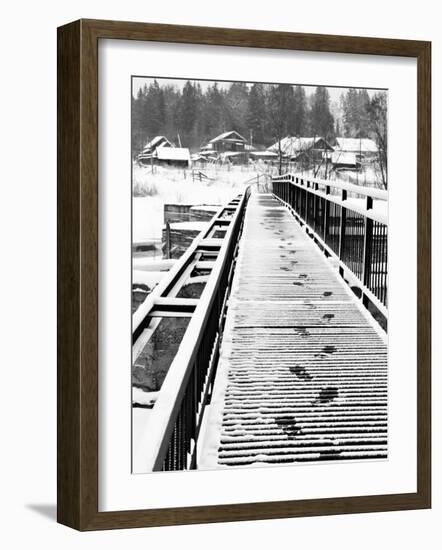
(300,114)
(236,107)
(262,112)
(321,120)
(138,129)
(215,111)
(280,112)
(256,114)
(356,120)
(154,108)
(172,97)
(187,110)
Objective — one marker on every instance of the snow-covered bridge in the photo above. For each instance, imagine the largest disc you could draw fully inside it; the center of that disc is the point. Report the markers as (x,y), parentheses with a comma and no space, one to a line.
(282,361)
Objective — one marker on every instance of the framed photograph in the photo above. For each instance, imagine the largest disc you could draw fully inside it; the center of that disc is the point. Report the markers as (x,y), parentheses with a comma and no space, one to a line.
(243,274)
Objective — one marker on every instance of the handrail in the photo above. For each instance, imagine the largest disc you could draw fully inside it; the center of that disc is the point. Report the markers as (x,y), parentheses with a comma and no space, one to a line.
(175,419)
(323,188)
(144,309)
(374,192)
(355,234)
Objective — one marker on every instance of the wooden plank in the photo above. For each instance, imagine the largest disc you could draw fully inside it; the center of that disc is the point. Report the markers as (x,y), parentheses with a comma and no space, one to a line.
(303,369)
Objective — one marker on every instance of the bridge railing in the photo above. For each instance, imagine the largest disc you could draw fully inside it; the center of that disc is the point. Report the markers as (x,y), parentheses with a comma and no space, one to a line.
(175,420)
(261,182)
(349,222)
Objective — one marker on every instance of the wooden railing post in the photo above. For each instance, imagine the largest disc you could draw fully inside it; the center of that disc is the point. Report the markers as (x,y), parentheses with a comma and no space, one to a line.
(368,246)
(342,226)
(326,213)
(305,200)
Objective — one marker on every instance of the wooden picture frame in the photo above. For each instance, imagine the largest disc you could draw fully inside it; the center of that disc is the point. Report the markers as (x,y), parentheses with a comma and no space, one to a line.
(78,273)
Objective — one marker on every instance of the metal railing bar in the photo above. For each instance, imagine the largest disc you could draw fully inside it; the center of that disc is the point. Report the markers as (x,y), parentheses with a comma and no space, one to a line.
(355,237)
(204,264)
(177,303)
(170,313)
(343,199)
(374,192)
(175,272)
(164,415)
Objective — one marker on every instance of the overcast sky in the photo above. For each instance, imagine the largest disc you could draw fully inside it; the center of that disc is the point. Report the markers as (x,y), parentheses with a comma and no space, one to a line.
(138,82)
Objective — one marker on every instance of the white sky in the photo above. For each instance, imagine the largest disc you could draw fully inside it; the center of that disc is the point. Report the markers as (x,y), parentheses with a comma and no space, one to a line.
(139,81)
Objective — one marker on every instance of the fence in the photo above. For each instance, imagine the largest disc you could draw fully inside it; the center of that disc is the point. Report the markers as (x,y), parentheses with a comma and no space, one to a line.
(349,222)
(261,182)
(176,417)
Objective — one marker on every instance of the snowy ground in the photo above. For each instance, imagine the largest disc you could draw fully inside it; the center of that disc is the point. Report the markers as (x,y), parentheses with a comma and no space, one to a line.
(170,185)
(369,176)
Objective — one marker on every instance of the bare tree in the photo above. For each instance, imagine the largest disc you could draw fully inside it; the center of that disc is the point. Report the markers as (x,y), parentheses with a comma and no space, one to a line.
(280,106)
(377,111)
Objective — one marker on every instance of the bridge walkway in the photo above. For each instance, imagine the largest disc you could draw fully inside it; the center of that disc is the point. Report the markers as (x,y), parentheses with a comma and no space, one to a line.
(302,374)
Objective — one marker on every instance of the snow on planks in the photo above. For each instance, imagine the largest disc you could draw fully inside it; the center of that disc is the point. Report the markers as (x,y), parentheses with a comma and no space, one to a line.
(302,375)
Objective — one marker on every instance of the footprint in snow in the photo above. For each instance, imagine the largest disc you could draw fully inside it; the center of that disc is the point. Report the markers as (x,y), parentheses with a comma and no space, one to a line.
(301,331)
(330,452)
(288,425)
(300,372)
(326,351)
(326,395)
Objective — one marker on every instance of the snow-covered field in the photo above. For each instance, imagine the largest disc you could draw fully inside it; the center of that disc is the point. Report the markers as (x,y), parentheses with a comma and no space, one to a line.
(369,176)
(172,185)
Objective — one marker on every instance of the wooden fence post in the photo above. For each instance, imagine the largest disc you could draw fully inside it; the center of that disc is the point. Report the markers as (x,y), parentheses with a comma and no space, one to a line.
(167,241)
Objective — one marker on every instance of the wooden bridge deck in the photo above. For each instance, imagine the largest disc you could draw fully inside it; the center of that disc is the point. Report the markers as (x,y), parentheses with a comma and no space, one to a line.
(303,368)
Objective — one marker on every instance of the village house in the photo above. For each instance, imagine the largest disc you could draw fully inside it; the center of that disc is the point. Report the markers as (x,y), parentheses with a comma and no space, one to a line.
(227,142)
(344,160)
(178,157)
(150,148)
(227,148)
(295,149)
(362,148)
(265,156)
(160,151)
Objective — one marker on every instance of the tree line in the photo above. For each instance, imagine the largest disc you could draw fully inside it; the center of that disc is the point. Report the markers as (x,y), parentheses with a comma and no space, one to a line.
(262,113)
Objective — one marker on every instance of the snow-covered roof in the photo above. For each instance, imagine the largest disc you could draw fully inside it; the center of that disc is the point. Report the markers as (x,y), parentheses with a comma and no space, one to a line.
(173,153)
(356,145)
(156,141)
(228,136)
(292,145)
(267,154)
(341,157)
